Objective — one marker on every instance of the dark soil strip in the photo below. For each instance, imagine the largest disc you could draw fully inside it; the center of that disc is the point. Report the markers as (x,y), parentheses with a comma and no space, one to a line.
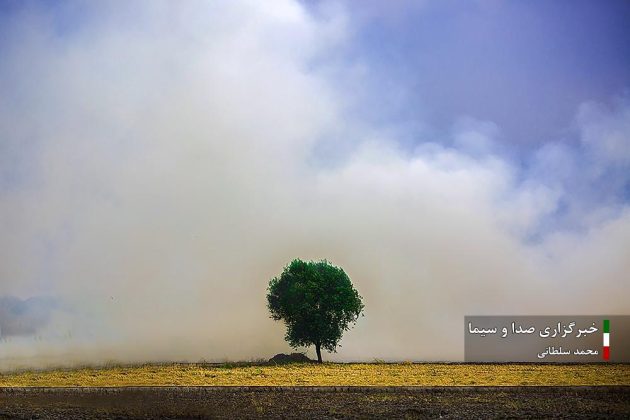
(315,402)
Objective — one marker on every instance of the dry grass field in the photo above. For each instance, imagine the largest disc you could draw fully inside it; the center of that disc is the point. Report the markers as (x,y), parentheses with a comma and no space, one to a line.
(328,374)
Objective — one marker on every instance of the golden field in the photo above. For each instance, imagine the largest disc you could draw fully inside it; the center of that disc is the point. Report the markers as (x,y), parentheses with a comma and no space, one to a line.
(327,374)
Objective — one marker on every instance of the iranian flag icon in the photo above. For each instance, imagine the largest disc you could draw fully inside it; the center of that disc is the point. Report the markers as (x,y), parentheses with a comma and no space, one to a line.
(606,352)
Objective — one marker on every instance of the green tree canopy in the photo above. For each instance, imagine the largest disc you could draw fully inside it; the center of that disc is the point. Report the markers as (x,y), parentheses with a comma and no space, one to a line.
(316,301)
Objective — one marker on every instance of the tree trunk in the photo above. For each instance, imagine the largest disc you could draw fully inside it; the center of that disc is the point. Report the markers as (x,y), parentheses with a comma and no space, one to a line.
(319,352)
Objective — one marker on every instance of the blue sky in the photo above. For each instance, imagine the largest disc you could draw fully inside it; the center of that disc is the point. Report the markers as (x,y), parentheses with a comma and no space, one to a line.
(165,159)
(526,66)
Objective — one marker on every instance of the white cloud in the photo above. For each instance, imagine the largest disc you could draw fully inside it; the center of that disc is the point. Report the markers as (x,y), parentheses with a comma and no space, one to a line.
(166,174)
(606,132)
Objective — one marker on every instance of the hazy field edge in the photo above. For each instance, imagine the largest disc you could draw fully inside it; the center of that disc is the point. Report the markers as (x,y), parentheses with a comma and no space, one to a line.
(314,388)
(114,365)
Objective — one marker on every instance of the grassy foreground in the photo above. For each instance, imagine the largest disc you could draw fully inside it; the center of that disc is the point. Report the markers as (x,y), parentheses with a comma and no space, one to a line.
(328,374)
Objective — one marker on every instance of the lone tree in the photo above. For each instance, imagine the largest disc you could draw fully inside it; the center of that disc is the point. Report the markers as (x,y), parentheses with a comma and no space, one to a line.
(316,301)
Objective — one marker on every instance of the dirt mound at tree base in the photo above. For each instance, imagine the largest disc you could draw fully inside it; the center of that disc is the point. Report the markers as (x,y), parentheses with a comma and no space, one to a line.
(290,358)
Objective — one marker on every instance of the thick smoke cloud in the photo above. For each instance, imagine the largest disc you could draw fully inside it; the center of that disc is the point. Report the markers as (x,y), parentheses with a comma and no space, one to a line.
(23,317)
(160,162)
